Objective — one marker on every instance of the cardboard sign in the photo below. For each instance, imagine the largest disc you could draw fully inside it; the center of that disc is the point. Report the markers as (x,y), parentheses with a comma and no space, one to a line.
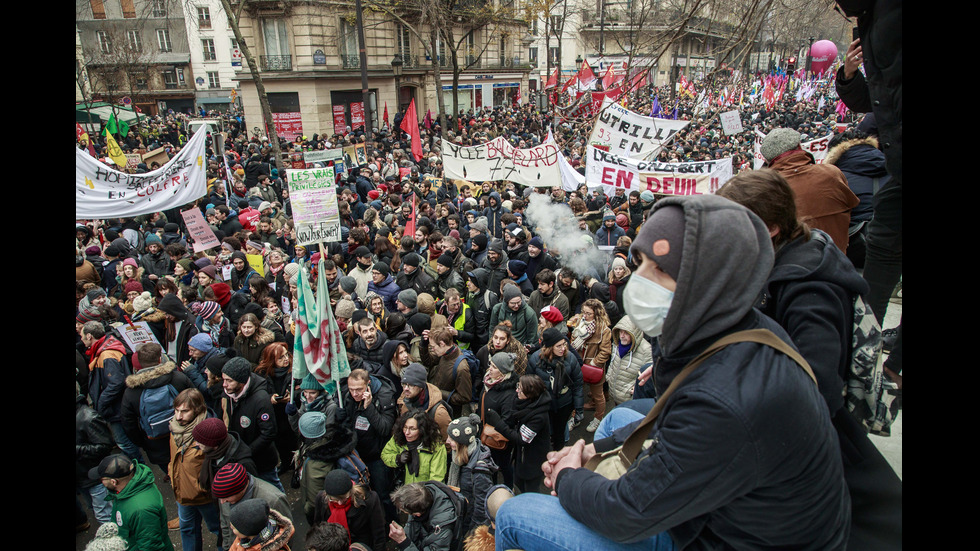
(314,198)
(731,123)
(257,263)
(199,233)
(137,334)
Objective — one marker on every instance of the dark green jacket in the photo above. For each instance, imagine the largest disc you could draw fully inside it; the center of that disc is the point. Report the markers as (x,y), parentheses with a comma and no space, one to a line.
(139,512)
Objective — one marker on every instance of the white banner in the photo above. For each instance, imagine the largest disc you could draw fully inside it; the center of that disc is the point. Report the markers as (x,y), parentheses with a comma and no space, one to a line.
(313,194)
(693,178)
(623,132)
(103,192)
(498,160)
(570,178)
(818,148)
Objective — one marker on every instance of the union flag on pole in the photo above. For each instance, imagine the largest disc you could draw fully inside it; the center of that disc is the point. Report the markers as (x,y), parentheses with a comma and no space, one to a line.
(552,80)
(586,78)
(318,347)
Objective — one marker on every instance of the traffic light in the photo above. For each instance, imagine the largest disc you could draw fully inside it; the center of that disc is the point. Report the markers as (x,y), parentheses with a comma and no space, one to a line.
(790,66)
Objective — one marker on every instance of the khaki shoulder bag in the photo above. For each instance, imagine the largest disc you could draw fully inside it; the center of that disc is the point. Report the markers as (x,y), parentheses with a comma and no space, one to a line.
(614,463)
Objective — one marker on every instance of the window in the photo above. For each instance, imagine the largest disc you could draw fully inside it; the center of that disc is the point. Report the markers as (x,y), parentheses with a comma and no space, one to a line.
(135,42)
(534,27)
(163,39)
(209,52)
(159,8)
(532,54)
(404,41)
(348,39)
(105,45)
(213,80)
(98,9)
(129,12)
(553,54)
(555,24)
(169,79)
(203,18)
(275,37)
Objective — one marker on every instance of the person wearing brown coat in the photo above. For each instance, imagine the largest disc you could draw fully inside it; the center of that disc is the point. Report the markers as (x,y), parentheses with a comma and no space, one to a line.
(194,501)
(823,199)
(252,339)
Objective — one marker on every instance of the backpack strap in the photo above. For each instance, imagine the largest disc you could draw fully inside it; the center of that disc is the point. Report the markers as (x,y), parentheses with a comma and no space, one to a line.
(634,443)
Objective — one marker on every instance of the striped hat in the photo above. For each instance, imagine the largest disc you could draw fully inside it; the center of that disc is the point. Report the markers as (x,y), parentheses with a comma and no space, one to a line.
(229,480)
(89,313)
(208,309)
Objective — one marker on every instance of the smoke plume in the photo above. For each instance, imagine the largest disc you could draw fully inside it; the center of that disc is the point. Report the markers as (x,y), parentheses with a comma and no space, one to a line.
(558,227)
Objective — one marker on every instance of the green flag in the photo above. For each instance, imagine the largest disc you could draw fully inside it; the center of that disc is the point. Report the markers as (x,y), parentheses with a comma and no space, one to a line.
(117,127)
(318,348)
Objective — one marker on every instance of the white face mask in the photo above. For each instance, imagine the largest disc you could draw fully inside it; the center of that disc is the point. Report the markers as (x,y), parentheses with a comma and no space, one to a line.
(647,304)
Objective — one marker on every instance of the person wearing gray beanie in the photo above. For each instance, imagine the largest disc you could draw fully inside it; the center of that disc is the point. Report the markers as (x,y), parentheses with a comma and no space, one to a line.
(779,141)
(238,369)
(503,361)
(348,284)
(313,424)
(409,300)
(414,374)
(249,517)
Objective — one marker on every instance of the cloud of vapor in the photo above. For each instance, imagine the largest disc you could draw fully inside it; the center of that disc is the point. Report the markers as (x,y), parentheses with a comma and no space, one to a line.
(558,227)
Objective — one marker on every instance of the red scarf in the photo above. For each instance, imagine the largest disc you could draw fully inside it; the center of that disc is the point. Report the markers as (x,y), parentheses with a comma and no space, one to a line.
(338,514)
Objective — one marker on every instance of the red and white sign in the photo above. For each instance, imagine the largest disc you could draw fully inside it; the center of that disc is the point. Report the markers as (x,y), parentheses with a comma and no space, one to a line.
(356,114)
(339,119)
(288,125)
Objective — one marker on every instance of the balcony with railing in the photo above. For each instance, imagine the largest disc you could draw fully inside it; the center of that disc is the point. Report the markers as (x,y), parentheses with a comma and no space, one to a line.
(351,61)
(409,61)
(276,62)
(506,62)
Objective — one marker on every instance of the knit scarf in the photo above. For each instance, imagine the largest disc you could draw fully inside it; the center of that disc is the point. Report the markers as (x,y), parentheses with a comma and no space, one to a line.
(211,458)
(338,513)
(414,464)
(581,333)
(182,433)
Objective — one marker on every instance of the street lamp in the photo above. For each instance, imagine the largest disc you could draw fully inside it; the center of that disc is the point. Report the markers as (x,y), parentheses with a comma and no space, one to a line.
(396,67)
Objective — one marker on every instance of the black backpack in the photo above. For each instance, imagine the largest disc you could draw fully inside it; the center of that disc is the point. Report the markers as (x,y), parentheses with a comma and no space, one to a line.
(460,505)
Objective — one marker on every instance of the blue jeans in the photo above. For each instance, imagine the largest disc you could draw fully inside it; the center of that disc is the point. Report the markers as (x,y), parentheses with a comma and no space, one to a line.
(535,522)
(95,498)
(272,477)
(191,535)
(618,417)
(125,444)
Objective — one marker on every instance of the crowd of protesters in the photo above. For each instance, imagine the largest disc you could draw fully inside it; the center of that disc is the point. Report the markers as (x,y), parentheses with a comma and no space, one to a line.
(474,344)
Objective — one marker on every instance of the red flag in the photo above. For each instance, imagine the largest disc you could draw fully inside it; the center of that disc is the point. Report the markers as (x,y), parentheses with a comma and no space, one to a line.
(552,80)
(608,79)
(413,130)
(386,115)
(585,75)
(428,119)
(570,82)
(410,223)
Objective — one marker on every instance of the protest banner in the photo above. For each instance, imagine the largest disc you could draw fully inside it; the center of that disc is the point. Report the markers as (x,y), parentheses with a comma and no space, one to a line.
(498,160)
(435,182)
(322,155)
(314,198)
(623,132)
(288,125)
(730,122)
(818,148)
(257,263)
(357,114)
(200,234)
(339,119)
(103,192)
(570,178)
(691,178)
(136,334)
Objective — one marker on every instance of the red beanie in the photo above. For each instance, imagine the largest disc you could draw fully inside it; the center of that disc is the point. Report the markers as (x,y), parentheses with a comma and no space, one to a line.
(222,293)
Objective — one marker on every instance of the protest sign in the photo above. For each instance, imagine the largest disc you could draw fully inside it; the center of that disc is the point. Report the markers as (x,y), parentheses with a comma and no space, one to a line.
(103,192)
(288,125)
(158,155)
(323,155)
(200,234)
(313,195)
(136,334)
(357,114)
(256,262)
(132,160)
(730,122)
(691,178)
(498,160)
(339,119)
(435,182)
(623,132)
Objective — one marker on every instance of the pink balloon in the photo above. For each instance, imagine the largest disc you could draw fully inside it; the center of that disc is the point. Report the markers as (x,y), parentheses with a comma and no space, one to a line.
(823,54)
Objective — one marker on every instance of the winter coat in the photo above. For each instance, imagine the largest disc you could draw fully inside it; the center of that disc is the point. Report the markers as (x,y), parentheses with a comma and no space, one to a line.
(528,430)
(320,457)
(93,442)
(388,290)
(774,478)
(108,369)
(136,384)
(278,509)
(565,384)
(139,512)
(432,531)
(377,419)
(863,164)
(432,461)
(475,480)
(156,264)
(252,418)
(278,541)
(623,370)
(458,390)
(251,348)
(823,200)
(185,466)
(524,322)
(418,280)
(598,347)
(365,521)
(435,407)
